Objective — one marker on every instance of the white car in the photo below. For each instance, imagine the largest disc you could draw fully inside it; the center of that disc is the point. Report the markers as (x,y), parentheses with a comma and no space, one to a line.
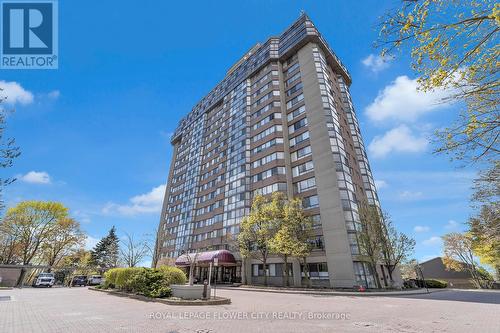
(94,280)
(44,279)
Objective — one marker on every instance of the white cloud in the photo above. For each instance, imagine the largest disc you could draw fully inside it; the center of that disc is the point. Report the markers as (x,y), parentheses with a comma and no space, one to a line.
(150,202)
(377,63)
(35,177)
(399,139)
(380,184)
(434,240)
(410,195)
(54,94)
(14,93)
(90,242)
(421,228)
(82,216)
(451,225)
(401,100)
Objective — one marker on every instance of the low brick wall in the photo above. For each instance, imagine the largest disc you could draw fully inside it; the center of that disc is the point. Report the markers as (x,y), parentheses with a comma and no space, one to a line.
(9,276)
(212,301)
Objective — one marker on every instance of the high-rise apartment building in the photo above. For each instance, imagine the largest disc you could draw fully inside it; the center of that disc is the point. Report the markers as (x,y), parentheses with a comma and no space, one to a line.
(281,120)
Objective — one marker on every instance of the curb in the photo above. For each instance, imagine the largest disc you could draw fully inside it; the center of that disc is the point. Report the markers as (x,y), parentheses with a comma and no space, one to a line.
(217,301)
(337,293)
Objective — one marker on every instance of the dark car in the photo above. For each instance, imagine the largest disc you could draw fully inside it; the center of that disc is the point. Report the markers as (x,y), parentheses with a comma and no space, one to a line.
(78,280)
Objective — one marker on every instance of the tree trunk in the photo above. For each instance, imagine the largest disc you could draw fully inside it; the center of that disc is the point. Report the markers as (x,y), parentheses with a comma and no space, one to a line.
(376,276)
(264,263)
(21,278)
(390,270)
(285,270)
(191,273)
(306,274)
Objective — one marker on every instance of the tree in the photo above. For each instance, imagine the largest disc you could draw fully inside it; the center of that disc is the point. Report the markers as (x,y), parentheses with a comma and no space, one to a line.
(258,228)
(8,150)
(65,239)
(10,247)
(132,252)
(192,259)
(395,245)
(32,224)
(105,254)
(370,235)
(76,262)
(459,256)
(485,235)
(484,226)
(293,235)
(408,269)
(454,47)
(487,185)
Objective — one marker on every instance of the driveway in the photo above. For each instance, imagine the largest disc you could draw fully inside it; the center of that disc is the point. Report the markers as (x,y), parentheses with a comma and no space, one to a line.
(83,310)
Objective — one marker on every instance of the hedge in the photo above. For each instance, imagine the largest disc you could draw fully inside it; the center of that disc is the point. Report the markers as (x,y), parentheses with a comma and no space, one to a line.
(433,283)
(173,275)
(145,281)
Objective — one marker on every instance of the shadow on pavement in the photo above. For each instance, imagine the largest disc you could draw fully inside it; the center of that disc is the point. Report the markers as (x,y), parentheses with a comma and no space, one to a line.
(486,297)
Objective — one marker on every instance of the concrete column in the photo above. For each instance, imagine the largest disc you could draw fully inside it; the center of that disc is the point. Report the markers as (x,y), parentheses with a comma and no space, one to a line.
(297,277)
(337,249)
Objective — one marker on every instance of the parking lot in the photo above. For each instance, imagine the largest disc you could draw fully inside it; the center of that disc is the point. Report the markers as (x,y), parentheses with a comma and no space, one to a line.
(83,310)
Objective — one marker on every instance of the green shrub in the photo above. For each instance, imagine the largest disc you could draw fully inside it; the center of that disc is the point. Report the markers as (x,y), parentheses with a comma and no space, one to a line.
(125,276)
(145,281)
(151,283)
(173,275)
(433,283)
(110,278)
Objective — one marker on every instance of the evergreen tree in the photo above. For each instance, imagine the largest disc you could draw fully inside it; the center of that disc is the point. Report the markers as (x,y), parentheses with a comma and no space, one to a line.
(105,254)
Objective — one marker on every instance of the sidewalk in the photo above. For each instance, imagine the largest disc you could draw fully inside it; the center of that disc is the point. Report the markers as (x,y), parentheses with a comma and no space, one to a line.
(330,291)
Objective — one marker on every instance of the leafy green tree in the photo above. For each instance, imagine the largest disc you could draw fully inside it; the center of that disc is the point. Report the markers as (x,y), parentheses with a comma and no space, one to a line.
(454,46)
(485,235)
(369,236)
(105,254)
(33,224)
(259,228)
(459,256)
(66,238)
(79,261)
(293,235)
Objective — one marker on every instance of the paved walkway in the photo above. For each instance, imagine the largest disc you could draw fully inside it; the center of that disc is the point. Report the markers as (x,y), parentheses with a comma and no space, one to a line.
(83,310)
(329,291)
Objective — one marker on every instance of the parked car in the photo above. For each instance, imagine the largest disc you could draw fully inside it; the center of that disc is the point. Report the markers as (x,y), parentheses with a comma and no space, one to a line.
(94,280)
(44,279)
(78,280)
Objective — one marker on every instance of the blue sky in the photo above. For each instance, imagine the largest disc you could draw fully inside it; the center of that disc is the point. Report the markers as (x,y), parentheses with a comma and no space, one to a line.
(95,133)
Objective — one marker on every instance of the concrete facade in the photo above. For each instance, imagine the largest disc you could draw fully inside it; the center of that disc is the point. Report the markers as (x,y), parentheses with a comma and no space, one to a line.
(281,120)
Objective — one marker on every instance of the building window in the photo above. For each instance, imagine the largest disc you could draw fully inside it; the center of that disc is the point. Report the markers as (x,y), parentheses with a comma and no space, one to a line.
(317,271)
(298,125)
(303,152)
(296,113)
(305,185)
(363,274)
(294,101)
(299,138)
(302,168)
(273,270)
(310,202)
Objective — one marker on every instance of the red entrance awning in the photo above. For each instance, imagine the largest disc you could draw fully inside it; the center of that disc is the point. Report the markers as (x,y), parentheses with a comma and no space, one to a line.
(204,258)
